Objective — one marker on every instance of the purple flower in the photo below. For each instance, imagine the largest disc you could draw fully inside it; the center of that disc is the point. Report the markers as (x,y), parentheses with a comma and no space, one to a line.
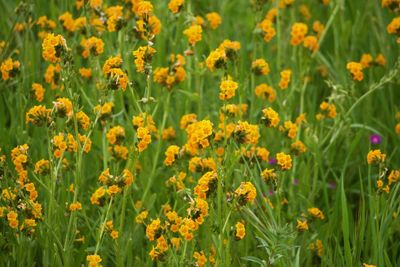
(296,182)
(272,161)
(375,139)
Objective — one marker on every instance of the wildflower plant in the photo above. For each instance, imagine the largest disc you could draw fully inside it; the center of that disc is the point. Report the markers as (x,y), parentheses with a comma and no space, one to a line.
(199,133)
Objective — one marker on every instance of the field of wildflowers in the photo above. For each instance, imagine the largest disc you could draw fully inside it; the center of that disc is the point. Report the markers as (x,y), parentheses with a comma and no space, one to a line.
(199,133)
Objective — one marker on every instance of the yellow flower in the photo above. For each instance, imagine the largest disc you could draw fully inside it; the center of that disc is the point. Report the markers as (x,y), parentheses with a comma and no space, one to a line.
(260,67)
(143,55)
(227,89)
(175,5)
(240,230)
(376,157)
(285,78)
(267,28)
(193,33)
(246,193)
(94,260)
(317,213)
(200,258)
(311,42)
(214,19)
(171,154)
(53,46)
(75,206)
(284,161)
(92,45)
(38,115)
(298,33)
(9,68)
(355,69)
(264,91)
(302,225)
(113,190)
(270,117)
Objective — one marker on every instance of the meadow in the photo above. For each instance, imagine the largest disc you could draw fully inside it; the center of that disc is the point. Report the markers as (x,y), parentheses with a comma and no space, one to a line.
(199,133)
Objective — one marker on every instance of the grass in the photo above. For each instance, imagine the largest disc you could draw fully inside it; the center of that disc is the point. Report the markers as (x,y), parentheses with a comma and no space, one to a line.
(360,224)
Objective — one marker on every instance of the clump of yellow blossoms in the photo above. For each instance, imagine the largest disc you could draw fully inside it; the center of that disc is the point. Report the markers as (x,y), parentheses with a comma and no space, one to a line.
(285,78)
(356,70)
(214,19)
(260,67)
(317,213)
(240,231)
(116,135)
(318,247)
(328,110)
(39,91)
(53,46)
(170,76)
(302,225)
(144,137)
(92,45)
(227,89)
(246,193)
(376,157)
(270,117)
(217,59)
(394,27)
(201,165)
(198,134)
(264,91)
(52,75)
(94,260)
(289,128)
(311,42)
(9,68)
(246,133)
(46,24)
(298,33)
(193,33)
(298,148)
(103,111)
(42,167)
(206,185)
(115,19)
(175,5)
(143,56)
(75,206)
(171,154)
(200,258)
(117,77)
(284,161)
(38,115)
(267,28)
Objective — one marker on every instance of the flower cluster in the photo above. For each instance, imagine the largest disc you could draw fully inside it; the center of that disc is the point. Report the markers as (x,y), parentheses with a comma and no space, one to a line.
(9,68)
(193,33)
(356,70)
(175,5)
(328,111)
(143,56)
(53,46)
(246,193)
(173,75)
(92,45)
(285,78)
(117,77)
(260,67)
(264,91)
(227,89)
(267,28)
